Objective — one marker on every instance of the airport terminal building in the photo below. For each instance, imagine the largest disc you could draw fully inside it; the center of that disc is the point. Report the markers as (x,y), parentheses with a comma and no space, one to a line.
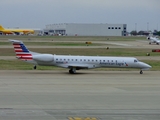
(80,29)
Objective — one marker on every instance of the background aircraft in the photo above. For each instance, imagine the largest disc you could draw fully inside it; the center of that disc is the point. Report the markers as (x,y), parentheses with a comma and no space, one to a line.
(155,40)
(74,63)
(16,31)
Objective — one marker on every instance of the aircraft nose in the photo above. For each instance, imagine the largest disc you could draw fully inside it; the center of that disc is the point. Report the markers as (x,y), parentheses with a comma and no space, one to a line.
(145,66)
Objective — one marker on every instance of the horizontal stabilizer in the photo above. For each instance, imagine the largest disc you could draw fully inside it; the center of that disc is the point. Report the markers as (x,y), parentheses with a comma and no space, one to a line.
(15,41)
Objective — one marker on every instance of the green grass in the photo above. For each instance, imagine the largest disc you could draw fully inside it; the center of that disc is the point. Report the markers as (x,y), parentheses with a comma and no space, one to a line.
(73,38)
(86,51)
(54,44)
(21,65)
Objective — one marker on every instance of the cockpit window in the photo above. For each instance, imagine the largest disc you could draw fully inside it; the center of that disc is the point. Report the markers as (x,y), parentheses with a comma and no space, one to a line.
(135,60)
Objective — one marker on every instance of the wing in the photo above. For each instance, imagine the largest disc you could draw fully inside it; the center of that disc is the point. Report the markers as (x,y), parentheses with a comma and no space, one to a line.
(16,32)
(78,66)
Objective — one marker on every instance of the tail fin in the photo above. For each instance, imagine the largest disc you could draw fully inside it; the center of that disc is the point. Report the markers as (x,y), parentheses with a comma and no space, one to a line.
(21,51)
(1,28)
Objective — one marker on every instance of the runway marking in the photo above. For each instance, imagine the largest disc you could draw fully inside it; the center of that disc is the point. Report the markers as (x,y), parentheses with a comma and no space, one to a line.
(82,118)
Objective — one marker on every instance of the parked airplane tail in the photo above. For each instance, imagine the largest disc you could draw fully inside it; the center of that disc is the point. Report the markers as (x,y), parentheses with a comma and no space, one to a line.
(21,51)
(1,28)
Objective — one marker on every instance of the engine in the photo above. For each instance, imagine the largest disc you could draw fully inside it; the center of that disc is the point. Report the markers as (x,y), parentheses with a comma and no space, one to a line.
(148,38)
(43,57)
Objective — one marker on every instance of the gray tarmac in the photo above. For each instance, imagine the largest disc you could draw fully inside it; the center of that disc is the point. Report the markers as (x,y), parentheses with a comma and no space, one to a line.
(87,95)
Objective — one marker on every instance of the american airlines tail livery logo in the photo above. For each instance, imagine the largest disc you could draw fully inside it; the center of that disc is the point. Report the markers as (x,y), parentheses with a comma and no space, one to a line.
(22,52)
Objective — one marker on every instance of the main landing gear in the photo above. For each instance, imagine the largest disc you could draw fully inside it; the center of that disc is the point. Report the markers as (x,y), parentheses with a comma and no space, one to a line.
(141,72)
(72,71)
(35,67)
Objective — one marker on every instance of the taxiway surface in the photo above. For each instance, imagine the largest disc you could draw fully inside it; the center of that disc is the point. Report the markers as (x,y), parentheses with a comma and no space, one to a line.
(87,95)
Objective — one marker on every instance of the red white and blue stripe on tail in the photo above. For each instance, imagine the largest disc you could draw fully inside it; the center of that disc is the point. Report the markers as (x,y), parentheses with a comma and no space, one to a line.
(21,51)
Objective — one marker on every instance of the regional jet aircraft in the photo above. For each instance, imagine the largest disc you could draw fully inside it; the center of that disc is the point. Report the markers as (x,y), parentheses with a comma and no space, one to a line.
(74,63)
(153,40)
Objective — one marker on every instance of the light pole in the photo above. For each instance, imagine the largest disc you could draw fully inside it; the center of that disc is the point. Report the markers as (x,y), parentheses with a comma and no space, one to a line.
(135,26)
(147,26)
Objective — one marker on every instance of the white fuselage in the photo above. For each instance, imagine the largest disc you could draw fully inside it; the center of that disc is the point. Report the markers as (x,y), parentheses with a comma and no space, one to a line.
(87,62)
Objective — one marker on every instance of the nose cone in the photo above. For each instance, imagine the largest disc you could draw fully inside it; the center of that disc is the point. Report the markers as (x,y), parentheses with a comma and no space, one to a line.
(144,66)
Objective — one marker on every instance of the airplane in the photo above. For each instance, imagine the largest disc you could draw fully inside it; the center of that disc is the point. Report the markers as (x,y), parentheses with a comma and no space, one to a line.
(74,63)
(154,40)
(16,31)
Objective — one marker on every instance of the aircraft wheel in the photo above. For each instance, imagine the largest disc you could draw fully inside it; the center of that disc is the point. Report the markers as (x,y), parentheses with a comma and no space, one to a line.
(72,71)
(35,67)
(141,72)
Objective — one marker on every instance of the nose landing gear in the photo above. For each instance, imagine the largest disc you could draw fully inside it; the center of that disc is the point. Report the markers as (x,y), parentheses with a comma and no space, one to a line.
(141,72)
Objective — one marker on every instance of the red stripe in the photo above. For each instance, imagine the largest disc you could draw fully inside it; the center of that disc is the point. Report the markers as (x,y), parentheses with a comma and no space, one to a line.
(29,57)
(16,45)
(24,54)
(18,50)
(26,57)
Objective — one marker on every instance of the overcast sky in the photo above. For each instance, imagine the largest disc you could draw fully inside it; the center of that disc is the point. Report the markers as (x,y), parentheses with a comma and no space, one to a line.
(137,14)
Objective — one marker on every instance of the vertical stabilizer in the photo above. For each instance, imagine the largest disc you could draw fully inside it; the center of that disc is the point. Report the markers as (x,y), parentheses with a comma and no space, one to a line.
(21,50)
(1,28)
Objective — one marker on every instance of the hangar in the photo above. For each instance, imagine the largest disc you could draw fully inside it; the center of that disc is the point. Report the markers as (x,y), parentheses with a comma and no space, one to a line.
(80,29)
